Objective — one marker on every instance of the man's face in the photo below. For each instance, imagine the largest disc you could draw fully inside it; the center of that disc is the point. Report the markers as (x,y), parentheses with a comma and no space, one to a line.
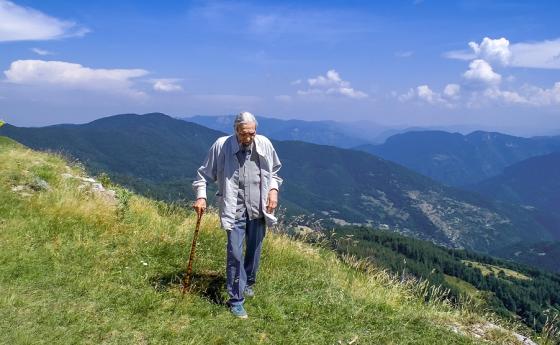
(246,133)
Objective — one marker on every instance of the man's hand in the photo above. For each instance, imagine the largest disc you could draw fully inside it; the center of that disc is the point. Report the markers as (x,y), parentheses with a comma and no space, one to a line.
(200,206)
(272,200)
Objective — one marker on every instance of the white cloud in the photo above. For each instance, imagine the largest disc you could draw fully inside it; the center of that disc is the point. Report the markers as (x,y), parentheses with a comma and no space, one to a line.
(528,95)
(452,91)
(483,85)
(332,78)
(41,52)
(542,97)
(510,97)
(480,71)
(296,82)
(19,23)
(492,50)
(460,55)
(331,83)
(167,85)
(73,76)
(543,54)
(424,94)
(411,93)
(487,90)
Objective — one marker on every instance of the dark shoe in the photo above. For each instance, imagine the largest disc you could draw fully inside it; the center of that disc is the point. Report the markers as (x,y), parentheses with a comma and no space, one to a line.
(249,292)
(238,311)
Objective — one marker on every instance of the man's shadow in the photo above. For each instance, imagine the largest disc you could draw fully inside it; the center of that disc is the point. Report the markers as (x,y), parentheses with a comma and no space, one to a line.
(207,284)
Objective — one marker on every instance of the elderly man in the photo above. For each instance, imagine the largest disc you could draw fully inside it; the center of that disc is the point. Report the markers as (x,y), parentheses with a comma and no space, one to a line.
(245,166)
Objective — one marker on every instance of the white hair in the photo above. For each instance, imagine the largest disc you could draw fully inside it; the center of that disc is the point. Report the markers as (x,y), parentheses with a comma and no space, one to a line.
(244,117)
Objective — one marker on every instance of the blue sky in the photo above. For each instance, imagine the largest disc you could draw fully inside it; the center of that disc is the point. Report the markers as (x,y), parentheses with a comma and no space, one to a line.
(488,64)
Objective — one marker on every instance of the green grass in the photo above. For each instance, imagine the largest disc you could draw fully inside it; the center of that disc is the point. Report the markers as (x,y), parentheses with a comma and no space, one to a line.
(462,285)
(76,268)
(487,269)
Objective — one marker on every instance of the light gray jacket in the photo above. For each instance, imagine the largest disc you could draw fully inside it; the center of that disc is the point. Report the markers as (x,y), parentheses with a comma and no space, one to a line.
(220,166)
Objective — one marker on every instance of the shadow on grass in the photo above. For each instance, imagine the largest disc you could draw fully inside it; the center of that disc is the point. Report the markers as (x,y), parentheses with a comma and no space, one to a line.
(207,284)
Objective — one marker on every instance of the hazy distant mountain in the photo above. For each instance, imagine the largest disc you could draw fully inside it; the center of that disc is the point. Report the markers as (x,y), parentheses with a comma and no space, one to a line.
(158,155)
(340,134)
(456,159)
(534,181)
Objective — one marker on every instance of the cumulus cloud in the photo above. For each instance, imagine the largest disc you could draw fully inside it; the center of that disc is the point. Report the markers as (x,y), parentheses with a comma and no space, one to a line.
(19,23)
(480,71)
(542,97)
(425,93)
(331,83)
(504,96)
(543,54)
(452,96)
(167,85)
(548,96)
(73,76)
(527,95)
(492,50)
(41,52)
(452,91)
(482,86)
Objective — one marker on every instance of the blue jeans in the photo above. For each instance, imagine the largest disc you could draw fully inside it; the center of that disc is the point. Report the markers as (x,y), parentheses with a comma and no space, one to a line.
(241,270)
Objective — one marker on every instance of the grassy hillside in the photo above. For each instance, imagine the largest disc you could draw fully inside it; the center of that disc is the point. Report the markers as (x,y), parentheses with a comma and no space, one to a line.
(78,265)
(510,289)
(146,156)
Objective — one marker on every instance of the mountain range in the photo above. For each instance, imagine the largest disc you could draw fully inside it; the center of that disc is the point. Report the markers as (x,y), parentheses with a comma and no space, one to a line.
(158,155)
(534,182)
(459,160)
(453,159)
(340,134)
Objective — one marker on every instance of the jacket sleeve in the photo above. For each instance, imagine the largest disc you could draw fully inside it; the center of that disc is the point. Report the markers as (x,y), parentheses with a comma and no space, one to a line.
(276,180)
(208,171)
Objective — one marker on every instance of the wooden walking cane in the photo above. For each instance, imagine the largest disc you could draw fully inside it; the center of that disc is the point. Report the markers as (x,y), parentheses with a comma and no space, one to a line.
(187,281)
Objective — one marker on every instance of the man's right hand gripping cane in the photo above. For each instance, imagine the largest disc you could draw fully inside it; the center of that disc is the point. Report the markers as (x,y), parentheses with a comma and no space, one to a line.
(200,206)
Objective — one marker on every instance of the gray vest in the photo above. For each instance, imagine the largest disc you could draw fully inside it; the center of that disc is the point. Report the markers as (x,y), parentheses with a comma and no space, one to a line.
(249,181)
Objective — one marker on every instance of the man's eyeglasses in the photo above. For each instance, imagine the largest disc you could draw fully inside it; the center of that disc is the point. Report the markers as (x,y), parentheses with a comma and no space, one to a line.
(246,134)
